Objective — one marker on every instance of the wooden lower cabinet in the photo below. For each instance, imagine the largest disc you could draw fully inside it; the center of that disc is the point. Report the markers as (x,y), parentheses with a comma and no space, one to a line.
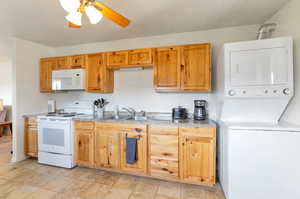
(31,137)
(107,147)
(139,132)
(84,144)
(163,152)
(182,154)
(198,155)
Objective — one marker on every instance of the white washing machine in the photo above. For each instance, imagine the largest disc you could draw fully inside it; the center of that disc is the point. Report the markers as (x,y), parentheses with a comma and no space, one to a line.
(260,161)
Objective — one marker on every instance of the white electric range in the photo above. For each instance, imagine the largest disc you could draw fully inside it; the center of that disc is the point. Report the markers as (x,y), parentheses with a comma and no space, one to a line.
(56,135)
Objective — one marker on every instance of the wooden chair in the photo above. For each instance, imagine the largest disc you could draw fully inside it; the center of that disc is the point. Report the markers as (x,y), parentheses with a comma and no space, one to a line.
(4,124)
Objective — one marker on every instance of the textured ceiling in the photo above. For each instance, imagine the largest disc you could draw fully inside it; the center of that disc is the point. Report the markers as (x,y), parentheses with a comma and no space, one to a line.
(43,20)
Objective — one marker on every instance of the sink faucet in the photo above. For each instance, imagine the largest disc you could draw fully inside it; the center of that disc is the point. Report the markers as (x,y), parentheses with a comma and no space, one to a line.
(131,111)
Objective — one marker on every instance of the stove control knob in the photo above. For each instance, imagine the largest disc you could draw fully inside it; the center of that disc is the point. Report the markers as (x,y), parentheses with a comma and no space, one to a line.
(231,93)
(286,91)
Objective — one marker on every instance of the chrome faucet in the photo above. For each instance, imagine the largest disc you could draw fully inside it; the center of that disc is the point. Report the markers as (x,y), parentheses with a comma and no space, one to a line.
(131,112)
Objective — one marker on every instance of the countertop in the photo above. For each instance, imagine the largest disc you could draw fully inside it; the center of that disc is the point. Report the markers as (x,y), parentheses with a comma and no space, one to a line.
(163,122)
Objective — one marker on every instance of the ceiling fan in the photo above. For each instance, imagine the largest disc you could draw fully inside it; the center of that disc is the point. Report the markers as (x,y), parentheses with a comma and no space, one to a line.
(93,9)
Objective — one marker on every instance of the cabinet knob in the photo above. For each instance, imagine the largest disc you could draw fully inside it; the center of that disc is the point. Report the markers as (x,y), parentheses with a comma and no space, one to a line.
(138,130)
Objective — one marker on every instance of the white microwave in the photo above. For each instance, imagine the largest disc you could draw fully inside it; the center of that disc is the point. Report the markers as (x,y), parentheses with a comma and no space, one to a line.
(66,80)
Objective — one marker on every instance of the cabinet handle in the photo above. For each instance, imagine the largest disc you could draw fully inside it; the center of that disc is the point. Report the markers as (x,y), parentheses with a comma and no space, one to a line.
(138,130)
(182,66)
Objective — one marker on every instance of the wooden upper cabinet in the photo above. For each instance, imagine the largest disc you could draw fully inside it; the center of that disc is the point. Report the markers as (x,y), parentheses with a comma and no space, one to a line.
(167,68)
(31,137)
(77,61)
(62,63)
(119,58)
(46,67)
(164,151)
(198,155)
(98,77)
(196,68)
(140,57)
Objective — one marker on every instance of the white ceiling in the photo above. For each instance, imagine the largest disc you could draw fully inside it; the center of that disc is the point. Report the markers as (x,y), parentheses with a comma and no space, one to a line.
(43,20)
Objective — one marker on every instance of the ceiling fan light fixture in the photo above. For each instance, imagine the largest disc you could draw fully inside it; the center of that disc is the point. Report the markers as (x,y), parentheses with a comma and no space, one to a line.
(93,14)
(70,5)
(75,18)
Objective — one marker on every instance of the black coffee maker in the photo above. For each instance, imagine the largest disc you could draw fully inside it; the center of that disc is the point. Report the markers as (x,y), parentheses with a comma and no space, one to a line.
(200,110)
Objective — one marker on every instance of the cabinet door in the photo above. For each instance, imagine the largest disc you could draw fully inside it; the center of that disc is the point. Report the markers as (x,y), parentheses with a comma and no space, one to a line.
(119,58)
(31,138)
(62,63)
(196,68)
(46,67)
(167,69)
(163,152)
(198,155)
(140,57)
(107,148)
(141,165)
(77,61)
(84,147)
(98,77)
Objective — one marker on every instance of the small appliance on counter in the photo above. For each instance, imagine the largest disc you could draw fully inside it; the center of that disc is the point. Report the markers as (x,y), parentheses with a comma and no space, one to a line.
(51,106)
(179,114)
(200,110)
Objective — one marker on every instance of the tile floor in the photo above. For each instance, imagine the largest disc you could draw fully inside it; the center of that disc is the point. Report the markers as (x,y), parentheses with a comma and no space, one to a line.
(30,180)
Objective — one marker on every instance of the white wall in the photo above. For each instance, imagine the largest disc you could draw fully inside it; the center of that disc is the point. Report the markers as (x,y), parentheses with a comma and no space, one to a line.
(135,88)
(288,21)
(6,82)
(26,94)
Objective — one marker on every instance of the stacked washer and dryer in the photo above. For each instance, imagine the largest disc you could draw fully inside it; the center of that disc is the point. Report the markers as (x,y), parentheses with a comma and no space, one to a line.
(258,154)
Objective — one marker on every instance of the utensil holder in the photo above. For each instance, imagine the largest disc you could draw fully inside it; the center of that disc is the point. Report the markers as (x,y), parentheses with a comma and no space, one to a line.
(100,113)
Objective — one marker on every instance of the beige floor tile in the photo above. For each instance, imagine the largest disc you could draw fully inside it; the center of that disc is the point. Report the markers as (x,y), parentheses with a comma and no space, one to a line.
(65,196)
(118,193)
(107,178)
(58,184)
(16,173)
(169,189)
(146,188)
(39,180)
(96,191)
(41,194)
(21,192)
(76,187)
(7,188)
(126,182)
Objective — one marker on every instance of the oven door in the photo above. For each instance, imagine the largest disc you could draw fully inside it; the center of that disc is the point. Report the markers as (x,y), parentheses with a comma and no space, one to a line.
(54,136)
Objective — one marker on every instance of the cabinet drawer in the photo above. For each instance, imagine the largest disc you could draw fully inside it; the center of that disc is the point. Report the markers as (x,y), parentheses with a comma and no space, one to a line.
(121,128)
(163,130)
(164,146)
(164,168)
(31,122)
(84,125)
(198,131)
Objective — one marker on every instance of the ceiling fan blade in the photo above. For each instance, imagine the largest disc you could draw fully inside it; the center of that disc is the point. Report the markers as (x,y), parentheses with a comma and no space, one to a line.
(112,15)
(71,25)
